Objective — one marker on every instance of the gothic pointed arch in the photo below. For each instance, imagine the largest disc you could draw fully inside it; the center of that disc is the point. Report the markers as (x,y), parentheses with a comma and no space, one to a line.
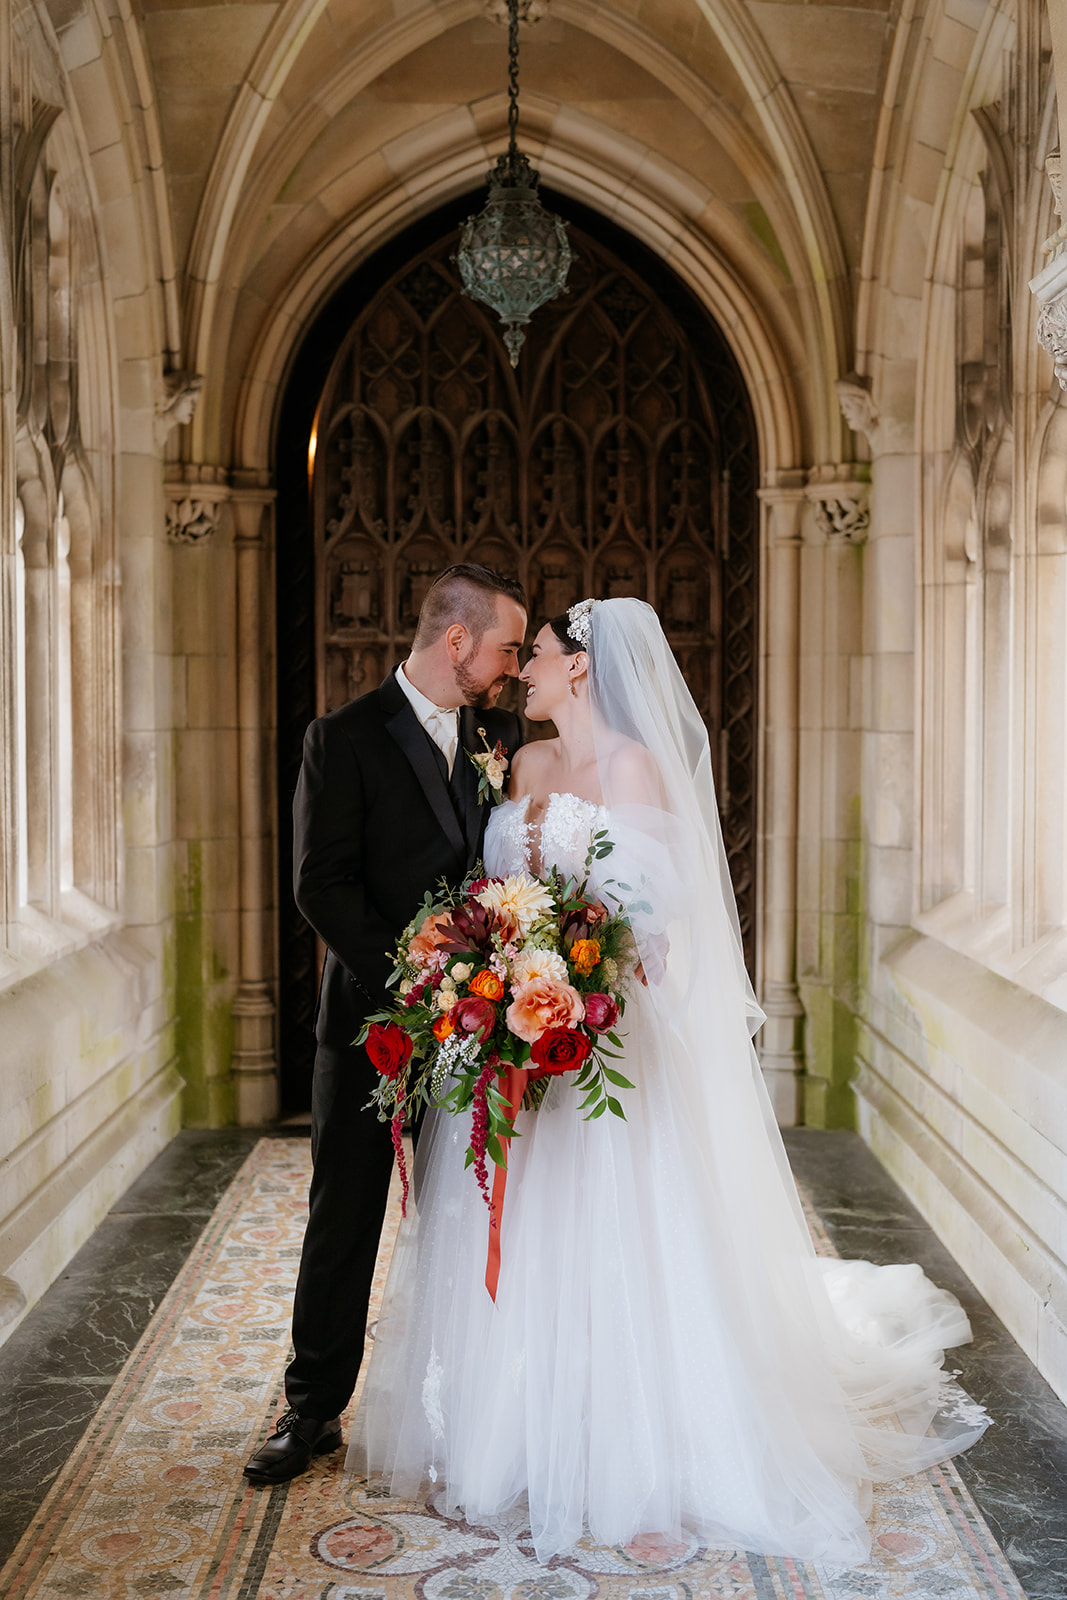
(621,458)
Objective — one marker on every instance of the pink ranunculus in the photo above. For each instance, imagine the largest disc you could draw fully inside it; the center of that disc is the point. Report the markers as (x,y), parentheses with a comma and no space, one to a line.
(429,937)
(601,1013)
(543,1003)
(474,1014)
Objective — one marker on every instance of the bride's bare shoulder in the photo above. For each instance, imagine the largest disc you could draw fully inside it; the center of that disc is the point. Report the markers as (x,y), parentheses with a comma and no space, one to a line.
(633,775)
(531,763)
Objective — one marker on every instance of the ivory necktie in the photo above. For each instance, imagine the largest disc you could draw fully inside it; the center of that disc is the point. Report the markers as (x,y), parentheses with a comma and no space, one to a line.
(442,724)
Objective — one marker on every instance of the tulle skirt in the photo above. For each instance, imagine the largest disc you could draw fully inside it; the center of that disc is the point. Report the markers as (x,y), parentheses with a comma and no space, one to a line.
(639,1372)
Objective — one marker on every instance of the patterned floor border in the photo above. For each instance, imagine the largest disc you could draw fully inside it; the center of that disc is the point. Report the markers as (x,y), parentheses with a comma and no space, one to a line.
(152,1502)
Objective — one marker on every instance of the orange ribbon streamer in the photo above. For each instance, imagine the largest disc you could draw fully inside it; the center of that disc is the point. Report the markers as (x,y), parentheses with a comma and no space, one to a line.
(512,1085)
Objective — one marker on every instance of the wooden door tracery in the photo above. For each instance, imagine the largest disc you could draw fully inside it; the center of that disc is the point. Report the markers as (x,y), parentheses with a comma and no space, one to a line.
(620,459)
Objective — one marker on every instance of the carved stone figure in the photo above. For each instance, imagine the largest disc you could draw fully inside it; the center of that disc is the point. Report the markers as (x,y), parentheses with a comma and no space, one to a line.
(177,404)
(857,406)
(1052,335)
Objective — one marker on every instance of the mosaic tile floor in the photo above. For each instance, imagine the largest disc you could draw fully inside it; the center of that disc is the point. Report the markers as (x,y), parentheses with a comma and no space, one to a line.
(152,1503)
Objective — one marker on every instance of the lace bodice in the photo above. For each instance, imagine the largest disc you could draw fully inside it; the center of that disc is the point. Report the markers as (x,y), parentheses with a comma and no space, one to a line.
(560,840)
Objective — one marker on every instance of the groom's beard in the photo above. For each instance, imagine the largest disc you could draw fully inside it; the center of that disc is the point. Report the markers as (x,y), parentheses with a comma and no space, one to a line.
(482,696)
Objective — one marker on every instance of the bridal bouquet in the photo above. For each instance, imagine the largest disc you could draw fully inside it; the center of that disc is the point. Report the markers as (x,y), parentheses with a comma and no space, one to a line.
(503,984)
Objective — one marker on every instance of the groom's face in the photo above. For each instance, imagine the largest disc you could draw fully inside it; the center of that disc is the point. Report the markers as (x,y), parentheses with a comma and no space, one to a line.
(485,668)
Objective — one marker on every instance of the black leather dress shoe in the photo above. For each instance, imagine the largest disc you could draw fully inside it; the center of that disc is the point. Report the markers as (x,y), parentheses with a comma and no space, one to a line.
(289,1449)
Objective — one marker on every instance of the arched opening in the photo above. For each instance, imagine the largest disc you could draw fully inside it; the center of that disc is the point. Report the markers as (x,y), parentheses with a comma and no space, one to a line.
(621,458)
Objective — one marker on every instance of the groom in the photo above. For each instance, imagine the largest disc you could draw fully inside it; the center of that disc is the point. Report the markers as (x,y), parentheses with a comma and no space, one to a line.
(387,803)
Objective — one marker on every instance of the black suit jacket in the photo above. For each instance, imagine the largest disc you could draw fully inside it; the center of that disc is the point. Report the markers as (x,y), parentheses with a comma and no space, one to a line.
(375,826)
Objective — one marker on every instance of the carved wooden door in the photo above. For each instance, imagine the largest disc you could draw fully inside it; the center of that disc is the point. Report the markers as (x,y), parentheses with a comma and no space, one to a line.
(620,459)
(595,470)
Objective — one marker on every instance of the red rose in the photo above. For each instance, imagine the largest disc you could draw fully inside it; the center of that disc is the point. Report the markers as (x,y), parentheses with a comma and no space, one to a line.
(474,1015)
(558,1050)
(478,884)
(601,1012)
(389,1048)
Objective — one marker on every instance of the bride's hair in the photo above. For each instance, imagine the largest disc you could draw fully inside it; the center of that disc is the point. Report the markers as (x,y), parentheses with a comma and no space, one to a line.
(615,715)
(568,645)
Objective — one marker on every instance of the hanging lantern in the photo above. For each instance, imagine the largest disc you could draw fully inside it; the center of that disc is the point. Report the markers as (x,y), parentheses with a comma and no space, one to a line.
(514,255)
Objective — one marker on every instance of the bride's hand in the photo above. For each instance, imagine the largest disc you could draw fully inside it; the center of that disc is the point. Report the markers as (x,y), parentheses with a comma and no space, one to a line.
(656,948)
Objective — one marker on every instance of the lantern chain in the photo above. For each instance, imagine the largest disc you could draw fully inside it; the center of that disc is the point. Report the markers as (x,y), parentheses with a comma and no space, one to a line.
(514,255)
(513,81)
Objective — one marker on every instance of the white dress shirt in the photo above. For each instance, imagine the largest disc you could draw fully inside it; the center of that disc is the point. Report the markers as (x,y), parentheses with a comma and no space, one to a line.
(440,722)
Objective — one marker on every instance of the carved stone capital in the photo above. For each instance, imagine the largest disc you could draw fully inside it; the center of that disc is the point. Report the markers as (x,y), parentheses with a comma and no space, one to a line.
(841,505)
(194,505)
(177,403)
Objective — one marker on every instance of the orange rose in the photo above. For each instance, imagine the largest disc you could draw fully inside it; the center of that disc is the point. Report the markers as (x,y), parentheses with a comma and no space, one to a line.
(585,953)
(487,984)
(442,1028)
(543,1003)
(429,937)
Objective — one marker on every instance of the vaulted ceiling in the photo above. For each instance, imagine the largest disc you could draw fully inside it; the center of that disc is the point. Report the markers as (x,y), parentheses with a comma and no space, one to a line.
(295,134)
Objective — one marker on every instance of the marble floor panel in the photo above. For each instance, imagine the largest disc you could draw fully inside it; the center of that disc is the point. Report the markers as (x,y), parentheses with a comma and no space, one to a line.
(58,1367)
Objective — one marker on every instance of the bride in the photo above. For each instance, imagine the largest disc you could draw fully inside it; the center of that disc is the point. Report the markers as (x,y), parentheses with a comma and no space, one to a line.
(665,1350)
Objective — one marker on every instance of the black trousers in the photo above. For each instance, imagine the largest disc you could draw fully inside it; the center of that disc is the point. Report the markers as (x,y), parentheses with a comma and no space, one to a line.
(352,1156)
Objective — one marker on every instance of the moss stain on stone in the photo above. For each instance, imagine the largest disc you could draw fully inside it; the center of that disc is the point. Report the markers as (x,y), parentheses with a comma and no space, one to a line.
(204,1017)
(760,225)
(833,996)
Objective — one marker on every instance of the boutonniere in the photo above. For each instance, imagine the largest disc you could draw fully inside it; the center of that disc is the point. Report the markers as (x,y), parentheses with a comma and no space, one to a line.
(492,766)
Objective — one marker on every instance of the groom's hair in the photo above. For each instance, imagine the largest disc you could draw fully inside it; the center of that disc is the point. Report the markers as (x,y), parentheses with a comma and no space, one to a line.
(465,593)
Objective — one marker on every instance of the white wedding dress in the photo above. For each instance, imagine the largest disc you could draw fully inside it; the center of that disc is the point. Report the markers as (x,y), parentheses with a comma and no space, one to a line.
(665,1351)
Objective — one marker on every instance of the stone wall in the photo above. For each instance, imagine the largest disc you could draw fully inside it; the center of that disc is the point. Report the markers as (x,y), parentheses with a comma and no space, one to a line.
(89,1087)
(961,1032)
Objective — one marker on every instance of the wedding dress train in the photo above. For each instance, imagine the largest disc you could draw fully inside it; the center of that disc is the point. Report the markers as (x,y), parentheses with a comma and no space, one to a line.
(665,1350)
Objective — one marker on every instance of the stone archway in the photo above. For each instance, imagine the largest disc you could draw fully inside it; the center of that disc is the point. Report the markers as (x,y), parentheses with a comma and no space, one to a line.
(621,458)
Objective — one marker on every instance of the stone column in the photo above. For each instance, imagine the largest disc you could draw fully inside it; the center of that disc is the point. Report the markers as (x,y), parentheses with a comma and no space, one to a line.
(781,1042)
(9,729)
(40,819)
(255,1067)
(830,763)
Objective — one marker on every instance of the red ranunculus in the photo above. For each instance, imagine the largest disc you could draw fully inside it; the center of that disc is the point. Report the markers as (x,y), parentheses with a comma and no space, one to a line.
(601,1012)
(389,1048)
(558,1050)
(474,1015)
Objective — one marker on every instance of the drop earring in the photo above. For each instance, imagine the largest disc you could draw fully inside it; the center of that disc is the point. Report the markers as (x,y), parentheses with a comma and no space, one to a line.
(574,689)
